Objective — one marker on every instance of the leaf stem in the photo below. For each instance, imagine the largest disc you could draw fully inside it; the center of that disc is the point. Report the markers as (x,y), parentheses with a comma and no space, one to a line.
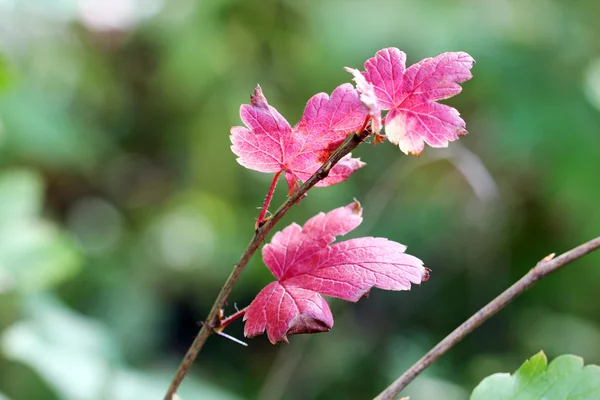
(542,269)
(212,322)
(268,199)
(365,124)
(231,318)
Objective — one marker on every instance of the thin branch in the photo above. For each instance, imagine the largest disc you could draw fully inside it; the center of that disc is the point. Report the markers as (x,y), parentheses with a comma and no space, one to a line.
(212,322)
(542,269)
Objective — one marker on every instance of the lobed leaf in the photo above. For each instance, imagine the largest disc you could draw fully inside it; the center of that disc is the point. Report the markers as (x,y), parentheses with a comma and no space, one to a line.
(565,378)
(307,265)
(411,94)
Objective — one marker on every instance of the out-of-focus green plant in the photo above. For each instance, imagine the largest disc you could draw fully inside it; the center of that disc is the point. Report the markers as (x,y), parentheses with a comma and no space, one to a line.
(35,255)
(78,357)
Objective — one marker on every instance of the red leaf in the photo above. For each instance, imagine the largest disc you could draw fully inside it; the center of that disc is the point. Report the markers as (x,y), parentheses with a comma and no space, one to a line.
(307,264)
(269,144)
(411,94)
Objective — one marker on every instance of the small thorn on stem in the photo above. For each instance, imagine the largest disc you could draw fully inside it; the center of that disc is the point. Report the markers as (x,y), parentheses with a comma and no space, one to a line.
(548,257)
(260,223)
(544,260)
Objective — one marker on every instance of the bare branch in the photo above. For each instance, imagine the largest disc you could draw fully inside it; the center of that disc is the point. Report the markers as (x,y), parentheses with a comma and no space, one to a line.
(542,269)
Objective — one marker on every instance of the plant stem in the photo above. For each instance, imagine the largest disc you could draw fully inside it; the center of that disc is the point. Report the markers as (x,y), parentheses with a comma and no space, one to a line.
(268,199)
(542,269)
(212,322)
(231,318)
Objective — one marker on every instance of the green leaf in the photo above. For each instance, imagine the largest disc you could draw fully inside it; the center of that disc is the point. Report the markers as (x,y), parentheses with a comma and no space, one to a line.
(564,379)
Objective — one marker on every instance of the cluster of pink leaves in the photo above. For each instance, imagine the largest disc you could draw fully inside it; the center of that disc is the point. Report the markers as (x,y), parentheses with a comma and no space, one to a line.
(271,145)
(303,259)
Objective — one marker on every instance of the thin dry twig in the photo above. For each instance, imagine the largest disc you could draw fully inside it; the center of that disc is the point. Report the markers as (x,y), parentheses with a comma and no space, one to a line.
(212,322)
(542,269)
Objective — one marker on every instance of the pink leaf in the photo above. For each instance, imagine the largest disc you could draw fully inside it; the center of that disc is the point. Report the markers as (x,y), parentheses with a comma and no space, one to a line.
(411,94)
(307,265)
(268,144)
(264,145)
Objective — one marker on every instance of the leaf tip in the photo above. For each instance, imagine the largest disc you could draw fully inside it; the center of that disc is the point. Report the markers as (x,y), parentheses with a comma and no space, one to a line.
(257,98)
(426,274)
(283,339)
(355,207)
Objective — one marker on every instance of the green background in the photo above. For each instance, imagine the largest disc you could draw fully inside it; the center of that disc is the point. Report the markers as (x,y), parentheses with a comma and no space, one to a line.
(122,208)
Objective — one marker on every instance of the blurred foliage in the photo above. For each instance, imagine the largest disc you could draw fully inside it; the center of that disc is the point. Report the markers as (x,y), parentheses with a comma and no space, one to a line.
(122,208)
